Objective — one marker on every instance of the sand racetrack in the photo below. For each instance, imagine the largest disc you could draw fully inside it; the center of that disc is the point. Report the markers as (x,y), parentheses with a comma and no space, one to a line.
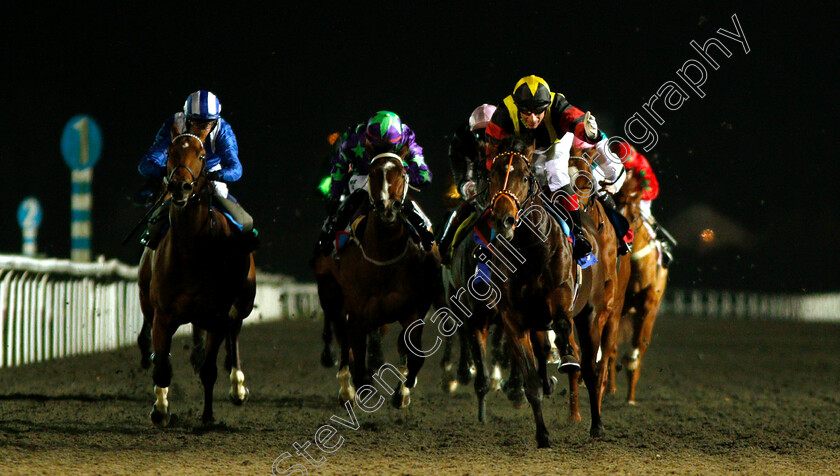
(755,397)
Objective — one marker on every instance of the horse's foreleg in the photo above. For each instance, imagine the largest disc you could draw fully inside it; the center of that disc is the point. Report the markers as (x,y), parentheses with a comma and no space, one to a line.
(208,373)
(466,366)
(648,307)
(375,354)
(478,345)
(198,351)
(542,351)
(448,382)
(523,353)
(410,361)
(498,357)
(162,373)
(144,339)
(239,393)
(590,341)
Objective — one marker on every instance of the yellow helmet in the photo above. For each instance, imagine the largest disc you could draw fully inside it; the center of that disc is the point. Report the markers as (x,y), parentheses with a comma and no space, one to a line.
(532,93)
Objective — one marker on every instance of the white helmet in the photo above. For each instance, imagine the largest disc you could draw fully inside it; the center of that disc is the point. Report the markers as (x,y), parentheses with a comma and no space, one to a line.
(480,117)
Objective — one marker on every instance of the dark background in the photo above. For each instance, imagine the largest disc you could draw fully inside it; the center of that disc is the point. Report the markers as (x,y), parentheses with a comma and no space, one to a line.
(758,150)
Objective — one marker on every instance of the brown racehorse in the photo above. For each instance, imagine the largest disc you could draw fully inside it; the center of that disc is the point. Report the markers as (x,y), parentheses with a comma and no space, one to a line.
(580,168)
(547,290)
(645,289)
(381,277)
(199,274)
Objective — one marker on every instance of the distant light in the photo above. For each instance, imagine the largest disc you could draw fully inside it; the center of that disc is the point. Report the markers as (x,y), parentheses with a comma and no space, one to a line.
(707,235)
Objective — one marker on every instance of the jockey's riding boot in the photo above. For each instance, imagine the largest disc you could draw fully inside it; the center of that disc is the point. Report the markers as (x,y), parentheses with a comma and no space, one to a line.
(156,226)
(427,238)
(567,198)
(582,246)
(608,202)
(240,216)
(445,242)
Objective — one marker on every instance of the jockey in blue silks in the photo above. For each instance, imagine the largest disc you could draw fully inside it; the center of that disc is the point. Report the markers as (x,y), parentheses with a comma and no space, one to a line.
(201,113)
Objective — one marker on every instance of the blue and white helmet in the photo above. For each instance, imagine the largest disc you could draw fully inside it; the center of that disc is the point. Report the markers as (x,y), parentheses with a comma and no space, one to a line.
(202,105)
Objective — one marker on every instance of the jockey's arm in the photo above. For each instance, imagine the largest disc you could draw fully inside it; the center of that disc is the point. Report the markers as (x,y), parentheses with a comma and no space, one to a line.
(339,173)
(419,174)
(228,154)
(610,165)
(570,119)
(153,164)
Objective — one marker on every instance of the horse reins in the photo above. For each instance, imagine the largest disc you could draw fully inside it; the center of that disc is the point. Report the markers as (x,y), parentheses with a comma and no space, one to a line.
(505,192)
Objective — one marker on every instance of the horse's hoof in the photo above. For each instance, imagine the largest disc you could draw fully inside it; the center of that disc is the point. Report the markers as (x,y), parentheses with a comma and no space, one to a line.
(597,431)
(543,441)
(575,418)
(402,398)
(465,375)
(239,401)
(328,359)
(145,362)
(552,383)
(632,403)
(448,386)
(160,419)
(554,356)
(496,378)
(568,364)
(208,419)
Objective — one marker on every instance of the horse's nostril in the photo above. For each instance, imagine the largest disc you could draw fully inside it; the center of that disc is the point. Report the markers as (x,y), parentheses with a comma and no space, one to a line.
(187,187)
(509,222)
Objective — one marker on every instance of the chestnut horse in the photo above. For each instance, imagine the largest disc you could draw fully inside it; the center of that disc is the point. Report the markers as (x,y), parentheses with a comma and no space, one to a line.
(548,290)
(645,289)
(581,169)
(199,274)
(381,276)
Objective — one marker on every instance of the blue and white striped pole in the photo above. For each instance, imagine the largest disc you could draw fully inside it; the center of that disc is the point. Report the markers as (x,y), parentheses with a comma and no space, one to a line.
(81,144)
(29,219)
(80,206)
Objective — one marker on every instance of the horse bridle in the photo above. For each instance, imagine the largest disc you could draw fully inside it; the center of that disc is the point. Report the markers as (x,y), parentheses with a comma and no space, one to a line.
(194,178)
(505,192)
(405,174)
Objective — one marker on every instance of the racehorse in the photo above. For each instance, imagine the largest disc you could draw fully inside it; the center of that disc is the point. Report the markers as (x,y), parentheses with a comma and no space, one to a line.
(547,290)
(582,162)
(458,279)
(645,289)
(381,276)
(200,274)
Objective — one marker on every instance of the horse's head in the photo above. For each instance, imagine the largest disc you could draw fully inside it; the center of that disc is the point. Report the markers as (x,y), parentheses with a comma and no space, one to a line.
(185,166)
(387,186)
(580,172)
(512,185)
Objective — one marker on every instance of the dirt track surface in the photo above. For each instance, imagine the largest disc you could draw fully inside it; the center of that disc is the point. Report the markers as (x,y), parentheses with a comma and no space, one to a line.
(715,397)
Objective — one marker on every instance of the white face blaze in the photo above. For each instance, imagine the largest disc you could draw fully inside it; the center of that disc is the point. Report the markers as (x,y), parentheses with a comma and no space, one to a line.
(385,192)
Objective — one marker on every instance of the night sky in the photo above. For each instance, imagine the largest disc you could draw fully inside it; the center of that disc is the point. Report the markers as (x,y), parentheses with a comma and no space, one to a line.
(759,148)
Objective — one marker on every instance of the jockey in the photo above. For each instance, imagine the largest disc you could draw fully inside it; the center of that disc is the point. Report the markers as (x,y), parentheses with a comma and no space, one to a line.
(535,114)
(639,165)
(200,114)
(466,159)
(608,177)
(383,132)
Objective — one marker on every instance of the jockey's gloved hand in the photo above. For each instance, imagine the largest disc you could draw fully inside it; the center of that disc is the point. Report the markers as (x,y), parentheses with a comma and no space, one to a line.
(608,200)
(590,126)
(215,176)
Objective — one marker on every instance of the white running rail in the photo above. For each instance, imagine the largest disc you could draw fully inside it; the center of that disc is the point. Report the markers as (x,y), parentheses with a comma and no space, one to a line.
(52,308)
